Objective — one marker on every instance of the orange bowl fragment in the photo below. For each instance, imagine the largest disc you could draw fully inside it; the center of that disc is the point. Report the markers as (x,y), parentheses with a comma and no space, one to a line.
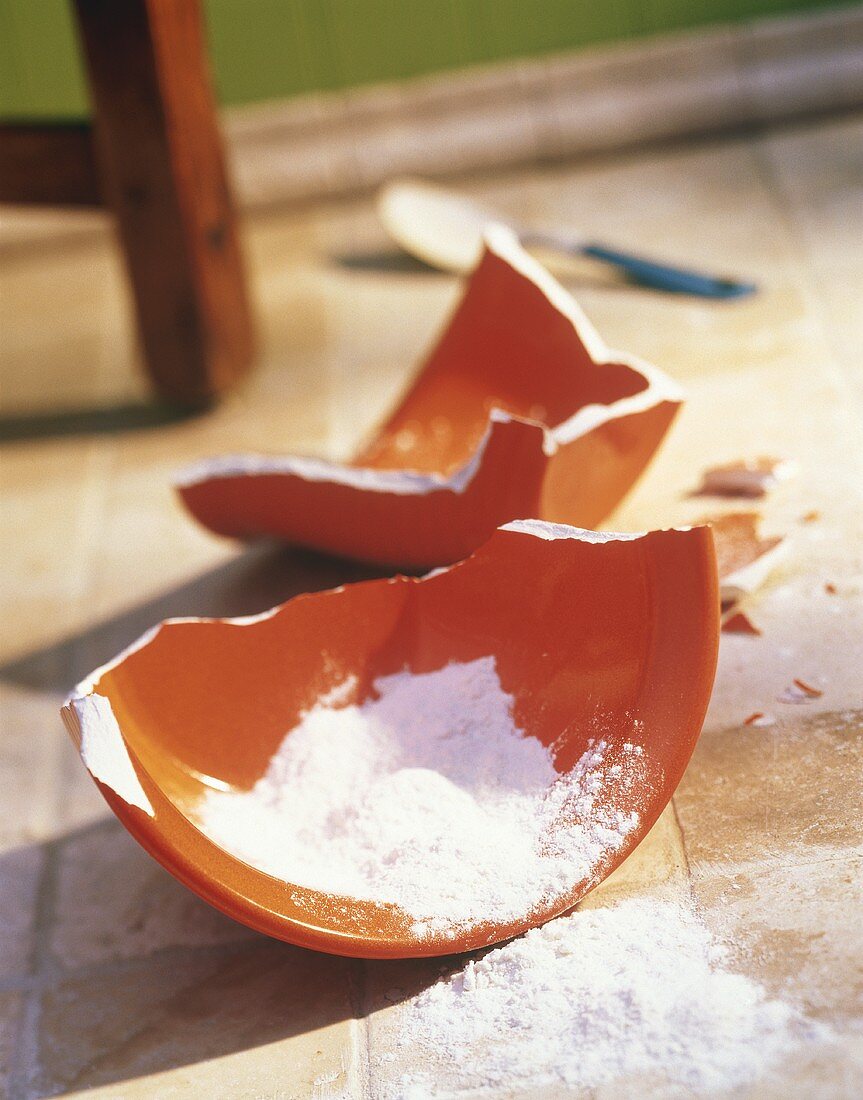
(520,410)
(744,557)
(590,634)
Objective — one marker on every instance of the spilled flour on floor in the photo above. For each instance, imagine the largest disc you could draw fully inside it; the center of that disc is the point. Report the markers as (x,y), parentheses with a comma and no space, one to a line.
(635,993)
(428,795)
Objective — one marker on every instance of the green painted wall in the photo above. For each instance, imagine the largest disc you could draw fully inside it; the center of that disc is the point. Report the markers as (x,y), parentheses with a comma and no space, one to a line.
(269,49)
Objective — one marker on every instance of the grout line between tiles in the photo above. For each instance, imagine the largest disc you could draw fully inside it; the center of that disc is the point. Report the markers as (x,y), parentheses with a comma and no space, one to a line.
(26,1065)
(358,990)
(681,839)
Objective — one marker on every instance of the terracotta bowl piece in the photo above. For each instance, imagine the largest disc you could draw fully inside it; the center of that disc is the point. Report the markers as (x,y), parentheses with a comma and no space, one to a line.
(744,557)
(520,410)
(584,628)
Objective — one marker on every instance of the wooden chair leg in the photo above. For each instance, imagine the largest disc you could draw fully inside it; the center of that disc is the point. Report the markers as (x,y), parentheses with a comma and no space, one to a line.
(162,173)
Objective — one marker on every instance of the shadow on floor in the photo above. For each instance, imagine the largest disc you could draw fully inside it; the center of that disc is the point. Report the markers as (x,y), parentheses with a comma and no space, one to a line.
(394,262)
(112,420)
(149,978)
(256,579)
(384,261)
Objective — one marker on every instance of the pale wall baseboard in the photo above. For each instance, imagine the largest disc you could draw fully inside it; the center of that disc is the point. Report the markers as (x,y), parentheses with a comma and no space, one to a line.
(572,105)
(578,104)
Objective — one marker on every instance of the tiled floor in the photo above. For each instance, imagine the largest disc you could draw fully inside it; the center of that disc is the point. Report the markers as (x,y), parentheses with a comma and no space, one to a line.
(116,982)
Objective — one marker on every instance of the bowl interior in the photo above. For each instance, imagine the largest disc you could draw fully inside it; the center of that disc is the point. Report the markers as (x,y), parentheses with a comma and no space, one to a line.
(612,641)
(508,346)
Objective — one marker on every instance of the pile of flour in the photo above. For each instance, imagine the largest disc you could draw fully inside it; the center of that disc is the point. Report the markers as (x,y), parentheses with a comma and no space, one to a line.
(428,795)
(635,994)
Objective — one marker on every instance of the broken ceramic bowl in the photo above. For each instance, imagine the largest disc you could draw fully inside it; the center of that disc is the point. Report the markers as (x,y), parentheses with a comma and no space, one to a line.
(600,642)
(520,410)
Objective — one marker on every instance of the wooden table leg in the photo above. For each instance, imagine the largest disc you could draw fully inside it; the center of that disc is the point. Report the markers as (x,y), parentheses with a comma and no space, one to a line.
(163,175)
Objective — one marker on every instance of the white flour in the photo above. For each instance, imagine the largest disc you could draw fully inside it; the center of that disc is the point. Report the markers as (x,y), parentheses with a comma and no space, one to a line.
(428,796)
(634,993)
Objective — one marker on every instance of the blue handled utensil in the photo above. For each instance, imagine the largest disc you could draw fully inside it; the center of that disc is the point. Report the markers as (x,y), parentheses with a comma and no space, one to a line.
(445,229)
(679,280)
